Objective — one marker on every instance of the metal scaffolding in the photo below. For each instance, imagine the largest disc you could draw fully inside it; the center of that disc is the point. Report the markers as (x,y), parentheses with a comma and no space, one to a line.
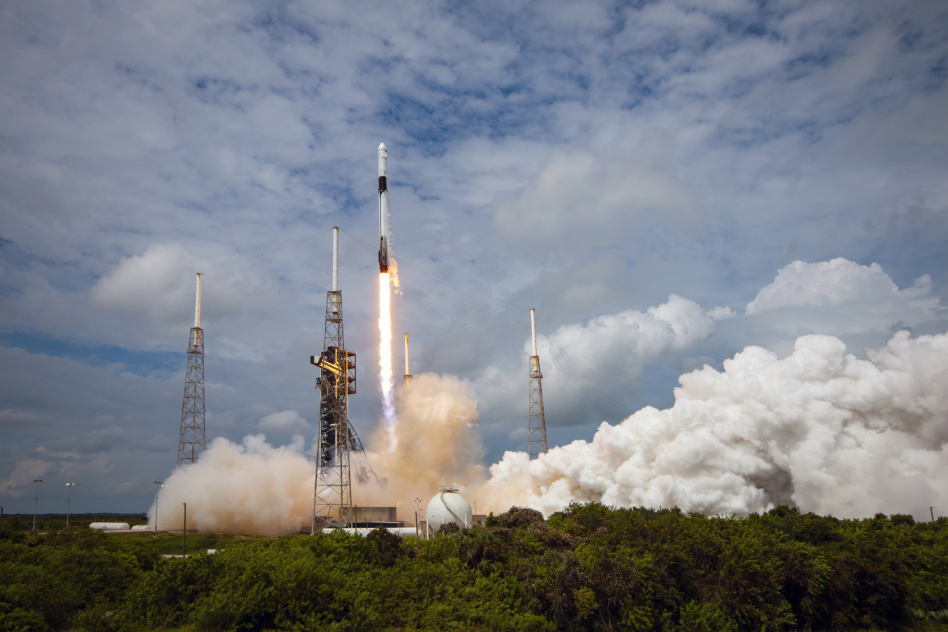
(332,492)
(191,442)
(537,416)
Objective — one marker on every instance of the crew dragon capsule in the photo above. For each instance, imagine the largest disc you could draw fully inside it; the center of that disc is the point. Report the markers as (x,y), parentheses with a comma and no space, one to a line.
(383,209)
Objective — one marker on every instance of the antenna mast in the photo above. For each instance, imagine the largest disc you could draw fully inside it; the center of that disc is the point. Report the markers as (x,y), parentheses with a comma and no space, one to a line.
(332,493)
(537,416)
(191,439)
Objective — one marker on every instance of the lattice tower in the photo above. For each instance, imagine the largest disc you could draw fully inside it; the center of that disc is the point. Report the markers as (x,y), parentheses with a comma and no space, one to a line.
(191,441)
(537,416)
(332,493)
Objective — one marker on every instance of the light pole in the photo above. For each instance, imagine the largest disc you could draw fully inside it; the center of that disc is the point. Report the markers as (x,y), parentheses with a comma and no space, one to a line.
(36,500)
(417,509)
(158,487)
(184,531)
(69,487)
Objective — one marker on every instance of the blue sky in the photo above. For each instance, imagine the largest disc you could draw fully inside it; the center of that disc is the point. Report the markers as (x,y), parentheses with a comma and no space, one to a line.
(594,161)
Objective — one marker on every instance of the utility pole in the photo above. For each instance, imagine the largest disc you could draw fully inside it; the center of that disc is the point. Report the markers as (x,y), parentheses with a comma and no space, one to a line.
(69,487)
(36,500)
(184,532)
(191,439)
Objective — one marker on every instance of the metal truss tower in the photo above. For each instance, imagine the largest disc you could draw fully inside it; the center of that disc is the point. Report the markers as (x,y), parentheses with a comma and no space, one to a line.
(191,440)
(332,493)
(537,416)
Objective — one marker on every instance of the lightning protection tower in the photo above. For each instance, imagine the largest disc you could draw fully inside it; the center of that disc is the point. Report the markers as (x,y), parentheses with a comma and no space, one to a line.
(537,417)
(332,493)
(191,440)
(407,376)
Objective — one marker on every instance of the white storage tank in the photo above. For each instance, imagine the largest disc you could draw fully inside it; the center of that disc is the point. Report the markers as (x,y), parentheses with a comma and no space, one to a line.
(448,507)
(110,526)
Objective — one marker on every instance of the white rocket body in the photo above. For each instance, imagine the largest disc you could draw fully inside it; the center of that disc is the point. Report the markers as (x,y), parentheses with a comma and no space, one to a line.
(197,302)
(383,208)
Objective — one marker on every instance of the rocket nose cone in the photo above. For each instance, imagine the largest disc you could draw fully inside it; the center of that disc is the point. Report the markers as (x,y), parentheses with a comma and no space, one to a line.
(381,146)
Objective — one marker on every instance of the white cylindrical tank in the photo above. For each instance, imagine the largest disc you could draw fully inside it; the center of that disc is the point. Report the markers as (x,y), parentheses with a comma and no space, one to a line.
(110,526)
(448,507)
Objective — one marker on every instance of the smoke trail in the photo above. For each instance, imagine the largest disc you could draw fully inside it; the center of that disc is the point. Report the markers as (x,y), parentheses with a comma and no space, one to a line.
(385,359)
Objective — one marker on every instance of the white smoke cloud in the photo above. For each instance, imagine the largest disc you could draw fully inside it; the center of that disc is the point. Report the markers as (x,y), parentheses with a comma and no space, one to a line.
(821,429)
(252,488)
(438,443)
(256,488)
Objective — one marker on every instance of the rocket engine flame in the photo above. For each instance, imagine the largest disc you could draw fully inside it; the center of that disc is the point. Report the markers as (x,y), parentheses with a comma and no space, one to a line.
(386,381)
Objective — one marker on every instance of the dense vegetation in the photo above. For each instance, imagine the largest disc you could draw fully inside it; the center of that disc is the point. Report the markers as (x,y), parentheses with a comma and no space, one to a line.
(587,568)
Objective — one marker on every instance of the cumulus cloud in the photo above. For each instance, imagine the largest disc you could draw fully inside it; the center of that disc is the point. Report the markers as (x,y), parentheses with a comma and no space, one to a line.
(150,285)
(820,429)
(583,196)
(585,366)
(842,297)
(17,484)
(840,281)
(284,423)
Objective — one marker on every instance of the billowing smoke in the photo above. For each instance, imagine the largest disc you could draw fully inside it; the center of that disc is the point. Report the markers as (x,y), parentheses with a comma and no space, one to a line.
(820,429)
(256,488)
(437,443)
(251,488)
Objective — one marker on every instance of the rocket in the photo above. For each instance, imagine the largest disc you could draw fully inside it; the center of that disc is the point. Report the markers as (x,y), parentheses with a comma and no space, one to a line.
(383,208)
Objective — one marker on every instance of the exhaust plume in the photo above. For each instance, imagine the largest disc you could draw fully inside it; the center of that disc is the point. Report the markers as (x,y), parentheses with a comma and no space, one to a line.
(386,382)
(437,442)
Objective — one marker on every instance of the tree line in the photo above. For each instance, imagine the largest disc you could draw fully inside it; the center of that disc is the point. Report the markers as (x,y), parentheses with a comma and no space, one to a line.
(589,567)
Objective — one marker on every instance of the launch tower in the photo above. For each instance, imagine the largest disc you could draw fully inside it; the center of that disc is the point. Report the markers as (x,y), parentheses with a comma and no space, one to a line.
(332,494)
(537,417)
(191,439)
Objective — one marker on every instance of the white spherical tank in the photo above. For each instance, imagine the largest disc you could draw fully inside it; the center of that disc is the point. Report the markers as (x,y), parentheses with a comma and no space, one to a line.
(448,507)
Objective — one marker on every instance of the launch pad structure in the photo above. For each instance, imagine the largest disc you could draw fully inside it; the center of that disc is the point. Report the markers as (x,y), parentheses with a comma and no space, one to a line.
(537,416)
(191,441)
(332,493)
